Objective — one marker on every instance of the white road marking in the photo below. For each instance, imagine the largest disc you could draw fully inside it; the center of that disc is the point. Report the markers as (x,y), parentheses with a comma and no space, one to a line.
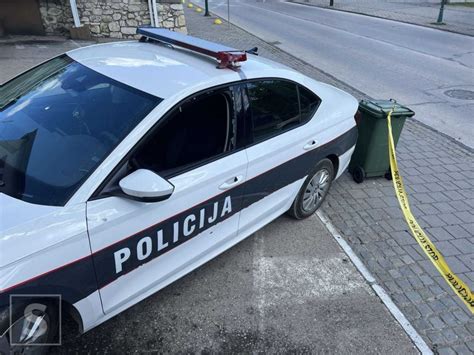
(258,279)
(295,280)
(394,310)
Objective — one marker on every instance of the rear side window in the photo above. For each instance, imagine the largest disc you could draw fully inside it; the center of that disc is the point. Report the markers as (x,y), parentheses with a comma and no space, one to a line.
(309,103)
(274,107)
(277,106)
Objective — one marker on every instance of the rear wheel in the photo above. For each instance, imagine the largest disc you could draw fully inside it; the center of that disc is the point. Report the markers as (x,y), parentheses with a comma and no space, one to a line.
(314,190)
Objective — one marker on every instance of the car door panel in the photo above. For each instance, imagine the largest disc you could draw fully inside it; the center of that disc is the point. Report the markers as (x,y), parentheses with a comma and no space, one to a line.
(277,167)
(137,245)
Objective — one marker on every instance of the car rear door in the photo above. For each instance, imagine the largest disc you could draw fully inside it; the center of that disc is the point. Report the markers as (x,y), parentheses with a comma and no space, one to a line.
(280,139)
(141,247)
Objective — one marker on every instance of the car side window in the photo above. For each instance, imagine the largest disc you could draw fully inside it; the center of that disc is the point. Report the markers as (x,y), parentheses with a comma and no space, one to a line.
(198,130)
(309,103)
(274,107)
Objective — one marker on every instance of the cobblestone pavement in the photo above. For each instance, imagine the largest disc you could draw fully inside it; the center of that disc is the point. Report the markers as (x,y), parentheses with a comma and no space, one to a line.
(438,174)
(456,18)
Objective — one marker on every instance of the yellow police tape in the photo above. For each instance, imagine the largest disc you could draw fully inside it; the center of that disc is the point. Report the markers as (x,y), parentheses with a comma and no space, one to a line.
(459,287)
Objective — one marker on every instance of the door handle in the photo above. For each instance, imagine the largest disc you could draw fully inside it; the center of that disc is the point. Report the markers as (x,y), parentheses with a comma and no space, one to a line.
(311,144)
(236,180)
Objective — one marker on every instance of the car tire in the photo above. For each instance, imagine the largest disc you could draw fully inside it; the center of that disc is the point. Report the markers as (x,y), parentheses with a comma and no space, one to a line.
(48,327)
(314,190)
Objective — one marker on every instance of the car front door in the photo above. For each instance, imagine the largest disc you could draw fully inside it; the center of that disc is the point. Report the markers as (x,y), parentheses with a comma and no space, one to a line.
(140,247)
(277,116)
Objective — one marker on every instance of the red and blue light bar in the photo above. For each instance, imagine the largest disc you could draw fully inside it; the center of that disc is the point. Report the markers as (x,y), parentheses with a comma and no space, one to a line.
(227,57)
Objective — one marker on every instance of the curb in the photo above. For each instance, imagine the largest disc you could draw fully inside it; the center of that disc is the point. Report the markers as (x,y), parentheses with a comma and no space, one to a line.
(434,27)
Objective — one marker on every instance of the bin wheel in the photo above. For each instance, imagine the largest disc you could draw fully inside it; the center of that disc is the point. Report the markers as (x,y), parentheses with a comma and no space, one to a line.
(388,175)
(358,174)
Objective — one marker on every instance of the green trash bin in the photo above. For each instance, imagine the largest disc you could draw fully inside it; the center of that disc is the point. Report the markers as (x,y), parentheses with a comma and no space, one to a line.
(370,156)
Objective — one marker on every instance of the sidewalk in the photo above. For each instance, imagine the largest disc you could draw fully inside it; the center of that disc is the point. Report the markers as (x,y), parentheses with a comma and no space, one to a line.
(457,18)
(438,175)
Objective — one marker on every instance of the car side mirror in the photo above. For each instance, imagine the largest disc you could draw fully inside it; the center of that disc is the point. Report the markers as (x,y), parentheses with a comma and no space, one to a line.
(146,186)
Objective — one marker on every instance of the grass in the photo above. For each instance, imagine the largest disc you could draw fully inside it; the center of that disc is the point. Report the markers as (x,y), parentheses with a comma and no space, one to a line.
(466,4)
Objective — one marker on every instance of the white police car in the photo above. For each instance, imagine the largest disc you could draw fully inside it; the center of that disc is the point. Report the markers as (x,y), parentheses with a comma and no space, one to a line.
(124,166)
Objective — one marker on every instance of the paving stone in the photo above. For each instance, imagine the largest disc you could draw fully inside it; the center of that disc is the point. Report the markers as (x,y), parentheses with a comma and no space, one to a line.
(427,280)
(435,187)
(443,207)
(420,324)
(439,233)
(450,335)
(427,208)
(470,326)
(456,265)
(433,221)
(452,195)
(435,336)
(459,231)
(437,306)
(449,218)
(412,311)
(466,216)
(424,310)
(462,350)
(413,252)
(462,332)
(446,351)
(423,198)
(401,299)
(449,319)
(449,303)
(414,296)
(427,265)
(447,248)
(470,345)
(462,184)
(461,316)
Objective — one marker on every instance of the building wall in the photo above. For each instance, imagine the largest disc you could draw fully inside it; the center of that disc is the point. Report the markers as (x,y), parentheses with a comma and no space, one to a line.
(110,18)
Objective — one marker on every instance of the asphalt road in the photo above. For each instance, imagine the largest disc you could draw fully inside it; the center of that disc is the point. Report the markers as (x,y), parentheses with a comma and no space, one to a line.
(430,71)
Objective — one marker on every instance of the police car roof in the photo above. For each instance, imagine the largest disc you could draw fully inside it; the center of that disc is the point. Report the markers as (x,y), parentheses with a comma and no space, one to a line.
(163,71)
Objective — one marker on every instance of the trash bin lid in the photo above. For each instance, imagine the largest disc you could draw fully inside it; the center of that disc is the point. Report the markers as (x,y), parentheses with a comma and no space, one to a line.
(380,108)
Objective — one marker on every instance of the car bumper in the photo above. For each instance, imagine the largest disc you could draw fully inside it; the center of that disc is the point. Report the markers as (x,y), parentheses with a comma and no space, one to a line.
(344,160)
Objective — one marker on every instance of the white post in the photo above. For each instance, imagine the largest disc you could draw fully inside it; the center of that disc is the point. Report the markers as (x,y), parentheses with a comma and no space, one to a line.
(152,17)
(75,14)
(155,12)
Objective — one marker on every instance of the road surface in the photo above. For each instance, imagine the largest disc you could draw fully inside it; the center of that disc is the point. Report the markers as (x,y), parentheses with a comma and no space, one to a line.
(430,71)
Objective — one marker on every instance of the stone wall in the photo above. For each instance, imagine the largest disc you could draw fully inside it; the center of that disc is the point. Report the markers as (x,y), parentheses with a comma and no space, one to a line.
(56,16)
(110,18)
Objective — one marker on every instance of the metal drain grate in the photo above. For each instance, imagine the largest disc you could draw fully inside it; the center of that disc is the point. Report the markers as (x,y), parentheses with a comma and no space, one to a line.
(460,94)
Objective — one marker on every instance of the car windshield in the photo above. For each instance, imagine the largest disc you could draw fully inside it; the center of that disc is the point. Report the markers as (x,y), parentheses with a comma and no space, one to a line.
(58,122)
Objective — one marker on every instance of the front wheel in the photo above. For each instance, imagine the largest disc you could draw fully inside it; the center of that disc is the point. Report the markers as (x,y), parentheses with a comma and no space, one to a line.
(314,190)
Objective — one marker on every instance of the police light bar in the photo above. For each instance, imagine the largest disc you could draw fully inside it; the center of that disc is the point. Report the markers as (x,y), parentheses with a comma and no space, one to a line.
(227,57)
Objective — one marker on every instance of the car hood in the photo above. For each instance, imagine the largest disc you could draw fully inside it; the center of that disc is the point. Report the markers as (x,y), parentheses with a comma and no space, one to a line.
(27,228)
